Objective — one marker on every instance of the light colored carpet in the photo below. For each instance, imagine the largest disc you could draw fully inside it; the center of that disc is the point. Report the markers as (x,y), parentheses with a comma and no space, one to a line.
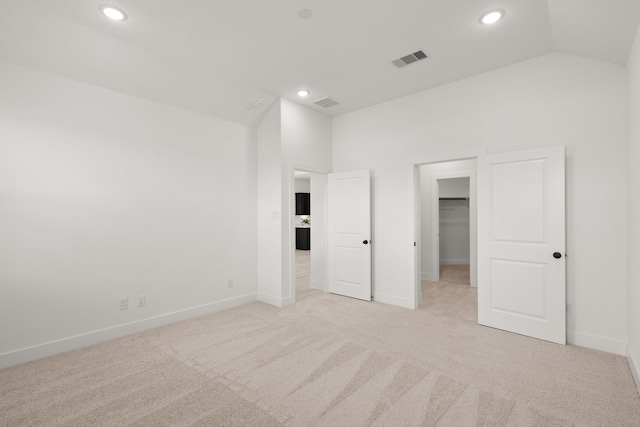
(457,273)
(327,361)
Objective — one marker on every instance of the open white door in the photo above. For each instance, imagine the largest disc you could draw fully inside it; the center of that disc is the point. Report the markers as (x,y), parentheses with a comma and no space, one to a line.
(349,239)
(521,243)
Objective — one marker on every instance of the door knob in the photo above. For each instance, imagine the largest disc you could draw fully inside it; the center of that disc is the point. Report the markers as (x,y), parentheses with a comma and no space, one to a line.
(365,242)
(557,255)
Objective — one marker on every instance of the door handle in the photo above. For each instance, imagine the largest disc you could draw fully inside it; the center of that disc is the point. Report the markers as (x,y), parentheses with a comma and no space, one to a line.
(557,255)
(365,242)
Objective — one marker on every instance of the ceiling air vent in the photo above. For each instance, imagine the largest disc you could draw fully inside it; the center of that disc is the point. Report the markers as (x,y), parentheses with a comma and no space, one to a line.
(326,102)
(410,59)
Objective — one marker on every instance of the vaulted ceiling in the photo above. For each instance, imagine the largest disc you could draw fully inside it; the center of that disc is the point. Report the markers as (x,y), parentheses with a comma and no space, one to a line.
(218,56)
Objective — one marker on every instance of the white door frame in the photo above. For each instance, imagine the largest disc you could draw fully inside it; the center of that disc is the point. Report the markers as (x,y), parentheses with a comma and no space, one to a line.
(291,250)
(414,209)
(473,224)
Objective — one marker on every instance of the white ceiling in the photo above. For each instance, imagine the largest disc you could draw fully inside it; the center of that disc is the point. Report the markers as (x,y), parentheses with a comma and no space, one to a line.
(217,56)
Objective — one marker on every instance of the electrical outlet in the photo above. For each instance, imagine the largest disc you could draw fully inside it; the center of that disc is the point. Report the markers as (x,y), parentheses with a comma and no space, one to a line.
(124,303)
(140,301)
(569,309)
(229,283)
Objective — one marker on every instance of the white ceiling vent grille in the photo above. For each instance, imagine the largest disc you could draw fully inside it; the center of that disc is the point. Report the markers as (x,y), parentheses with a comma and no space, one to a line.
(326,102)
(409,59)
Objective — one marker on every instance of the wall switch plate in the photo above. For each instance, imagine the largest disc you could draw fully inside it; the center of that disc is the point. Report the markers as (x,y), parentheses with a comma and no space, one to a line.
(124,303)
(140,301)
(229,283)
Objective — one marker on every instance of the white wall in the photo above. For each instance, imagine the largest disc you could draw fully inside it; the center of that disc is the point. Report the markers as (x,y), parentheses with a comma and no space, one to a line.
(104,196)
(454,232)
(270,215)
(455,225)
(550,100)
(306,137)
(428,174)
(302,185)
(454,187)
(633,72)
(306,145)
(319,231)
(290,137)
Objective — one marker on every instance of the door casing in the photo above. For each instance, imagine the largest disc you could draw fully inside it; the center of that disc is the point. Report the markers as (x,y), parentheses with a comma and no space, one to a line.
(414,210)
(473,224)
(291,247)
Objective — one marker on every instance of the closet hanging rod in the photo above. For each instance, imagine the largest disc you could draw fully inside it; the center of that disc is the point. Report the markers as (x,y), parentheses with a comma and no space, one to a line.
(454,198)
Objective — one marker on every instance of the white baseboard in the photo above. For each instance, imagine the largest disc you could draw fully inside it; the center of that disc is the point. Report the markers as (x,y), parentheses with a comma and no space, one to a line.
(597,342)
(78,341)
(455,262)
(425,275)
(271,300)
(288,301)
(634,366)
(392,300)
(317,284)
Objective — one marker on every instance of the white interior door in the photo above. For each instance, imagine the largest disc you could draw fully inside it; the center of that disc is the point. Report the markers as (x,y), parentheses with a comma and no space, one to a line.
(521,243)
(349,239)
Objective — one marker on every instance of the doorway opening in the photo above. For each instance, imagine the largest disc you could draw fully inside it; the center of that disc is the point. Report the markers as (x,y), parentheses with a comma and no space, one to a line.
(446,216)
(454,230)
(348,271)
(308,225)
(445,231)
(302,224)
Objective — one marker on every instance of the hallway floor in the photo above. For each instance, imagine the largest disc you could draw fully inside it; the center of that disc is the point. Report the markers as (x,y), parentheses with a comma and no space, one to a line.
(452,295)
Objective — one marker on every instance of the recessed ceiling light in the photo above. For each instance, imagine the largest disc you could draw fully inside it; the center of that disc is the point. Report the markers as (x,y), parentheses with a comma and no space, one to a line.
(492,17)
(113,12)
(303,93)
